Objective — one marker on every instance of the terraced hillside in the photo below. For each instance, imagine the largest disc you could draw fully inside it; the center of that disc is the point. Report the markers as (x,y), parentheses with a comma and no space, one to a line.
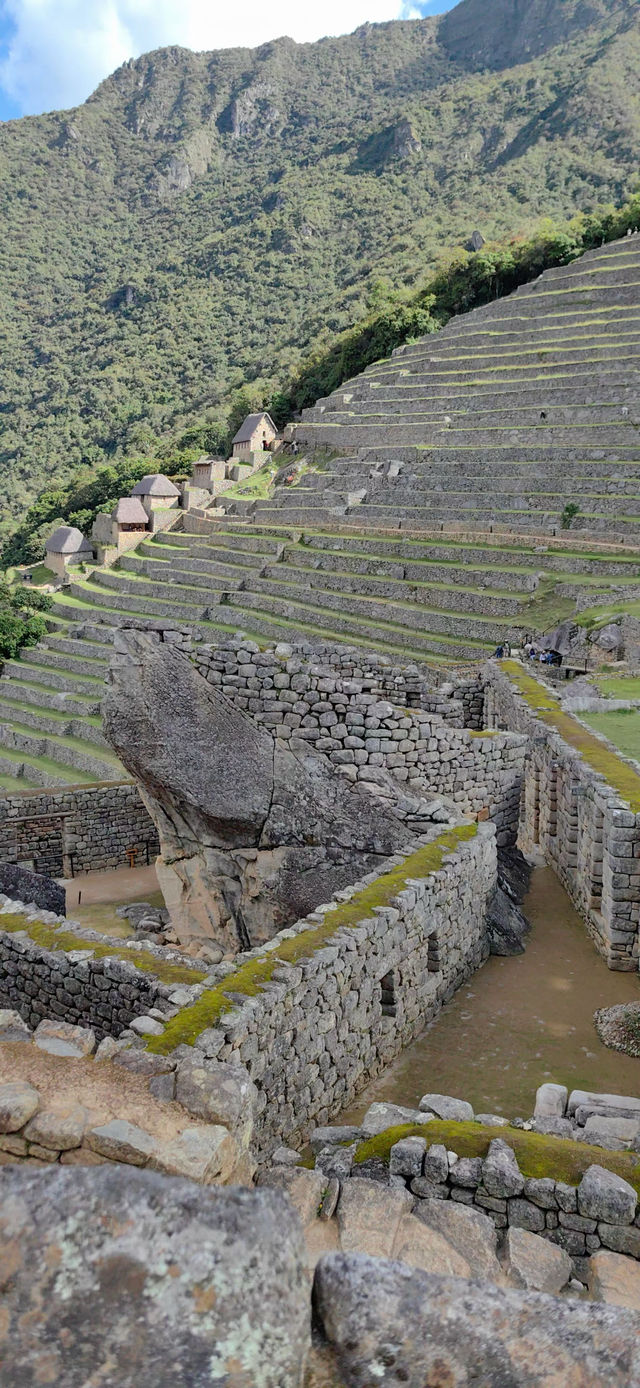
(511,414)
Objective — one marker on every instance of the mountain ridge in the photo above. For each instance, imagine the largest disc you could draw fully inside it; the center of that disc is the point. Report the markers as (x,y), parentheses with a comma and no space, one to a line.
(203,220)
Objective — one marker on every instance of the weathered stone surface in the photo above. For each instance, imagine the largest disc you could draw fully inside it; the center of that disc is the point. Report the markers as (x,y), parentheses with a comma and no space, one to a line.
(420,1330)
(422,1246)
(406,1157)
(146,1026)
(204,1154)
(551,1101)
(604,1196)
(61,1128)
(467,1172)
(445,1107)
(305,1189)
(501,1175)
(325,1137)
(254,834)
(18,1103)
(61,1038)
(368,1216)
(613,1133)
(614,1279)
(535,1263)
(471,1233)
(12,1027)
(436,1163)
(524,1215)
(619,1027)
(128,1278)
(381,1116)
(121,1141)
(541,1191)
(219,1094)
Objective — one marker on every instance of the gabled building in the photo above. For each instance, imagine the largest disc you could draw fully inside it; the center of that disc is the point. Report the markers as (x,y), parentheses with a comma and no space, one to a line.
(256,434)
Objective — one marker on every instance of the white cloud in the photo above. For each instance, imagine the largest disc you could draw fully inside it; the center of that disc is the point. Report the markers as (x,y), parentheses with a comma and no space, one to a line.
(60,49)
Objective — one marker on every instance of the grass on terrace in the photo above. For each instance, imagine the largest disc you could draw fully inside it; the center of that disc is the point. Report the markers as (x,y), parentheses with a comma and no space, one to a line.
(544,703)
(620,726)
(48,937)
(537,1154)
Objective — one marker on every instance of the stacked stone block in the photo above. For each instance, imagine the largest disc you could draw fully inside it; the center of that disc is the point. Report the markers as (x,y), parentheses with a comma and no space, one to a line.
(335,706)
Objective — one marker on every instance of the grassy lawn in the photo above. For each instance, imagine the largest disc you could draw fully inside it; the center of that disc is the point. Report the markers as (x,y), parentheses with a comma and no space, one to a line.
(621,726)
(619,686)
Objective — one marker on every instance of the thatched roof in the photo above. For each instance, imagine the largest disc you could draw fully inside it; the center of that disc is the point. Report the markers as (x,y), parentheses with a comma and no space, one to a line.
(155,484)
(250,424)
(67,539)
(129,511)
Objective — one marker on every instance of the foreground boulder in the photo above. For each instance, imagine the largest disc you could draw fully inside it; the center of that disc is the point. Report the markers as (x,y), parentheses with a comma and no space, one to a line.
(385,1323)
(124,1277)
(253,834)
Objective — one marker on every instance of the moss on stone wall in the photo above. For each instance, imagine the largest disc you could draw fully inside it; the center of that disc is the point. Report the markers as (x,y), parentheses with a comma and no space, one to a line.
(47,937)
(250,977)
(602,759)
(537,1154)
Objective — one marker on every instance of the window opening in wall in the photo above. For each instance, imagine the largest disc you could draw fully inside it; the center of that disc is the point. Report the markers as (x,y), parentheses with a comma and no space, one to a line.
(433,953)
(388,994)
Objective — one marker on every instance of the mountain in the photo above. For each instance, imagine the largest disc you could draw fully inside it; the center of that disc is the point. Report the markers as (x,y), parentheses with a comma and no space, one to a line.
(205,218)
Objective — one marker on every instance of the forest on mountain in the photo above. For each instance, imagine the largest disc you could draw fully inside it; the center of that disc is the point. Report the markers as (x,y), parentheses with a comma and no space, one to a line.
(198,237)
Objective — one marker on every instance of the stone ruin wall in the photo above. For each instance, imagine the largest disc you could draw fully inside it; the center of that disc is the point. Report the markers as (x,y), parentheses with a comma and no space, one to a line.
(335,704)
(587,833)
(319,1029)
(323,1027)
(81,829)
(74,985)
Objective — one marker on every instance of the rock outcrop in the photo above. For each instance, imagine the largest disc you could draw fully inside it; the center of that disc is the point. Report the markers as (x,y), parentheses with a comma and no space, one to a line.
(253,834)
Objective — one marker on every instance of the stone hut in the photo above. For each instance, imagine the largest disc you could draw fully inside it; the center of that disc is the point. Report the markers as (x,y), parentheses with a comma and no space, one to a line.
(129,516)
(156,493)
(257,434)
(205,472)
(66,546)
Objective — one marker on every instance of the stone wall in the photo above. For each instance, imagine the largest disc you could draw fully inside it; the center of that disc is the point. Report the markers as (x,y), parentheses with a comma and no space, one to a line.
(336,705)
(80,829)
(601,1212)
(341,1003)
(51,967)
(587,832)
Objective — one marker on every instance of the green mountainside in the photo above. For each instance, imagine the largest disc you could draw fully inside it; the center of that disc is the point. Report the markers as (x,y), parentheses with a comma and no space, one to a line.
(206,220)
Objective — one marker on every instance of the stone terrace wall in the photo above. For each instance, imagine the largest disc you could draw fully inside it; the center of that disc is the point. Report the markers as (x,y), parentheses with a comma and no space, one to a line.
(341,714)
(588,834)
(321,1028)
(80,829)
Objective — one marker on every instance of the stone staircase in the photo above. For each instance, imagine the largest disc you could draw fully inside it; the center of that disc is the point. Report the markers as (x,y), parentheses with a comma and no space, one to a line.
(495,424)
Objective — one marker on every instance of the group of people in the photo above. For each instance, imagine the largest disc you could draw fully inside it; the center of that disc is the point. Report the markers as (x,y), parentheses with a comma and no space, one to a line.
(530,652)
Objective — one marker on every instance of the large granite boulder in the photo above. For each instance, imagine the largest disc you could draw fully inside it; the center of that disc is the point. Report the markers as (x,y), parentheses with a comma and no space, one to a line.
(387,1323)
(116,1276)
(253,834)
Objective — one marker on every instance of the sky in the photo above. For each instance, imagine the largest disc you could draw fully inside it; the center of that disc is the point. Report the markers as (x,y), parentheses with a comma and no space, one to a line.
(53,53)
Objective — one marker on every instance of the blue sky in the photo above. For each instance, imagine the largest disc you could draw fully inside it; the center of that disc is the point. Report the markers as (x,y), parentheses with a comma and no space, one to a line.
(53,53)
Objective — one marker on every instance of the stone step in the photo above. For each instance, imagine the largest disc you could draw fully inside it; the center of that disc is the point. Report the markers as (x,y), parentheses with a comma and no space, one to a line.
(41,772)
(423,594)
(517,416)
(76,757)
(93,667)
(39,696)
(48,720)
(333,622)
(37,669)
